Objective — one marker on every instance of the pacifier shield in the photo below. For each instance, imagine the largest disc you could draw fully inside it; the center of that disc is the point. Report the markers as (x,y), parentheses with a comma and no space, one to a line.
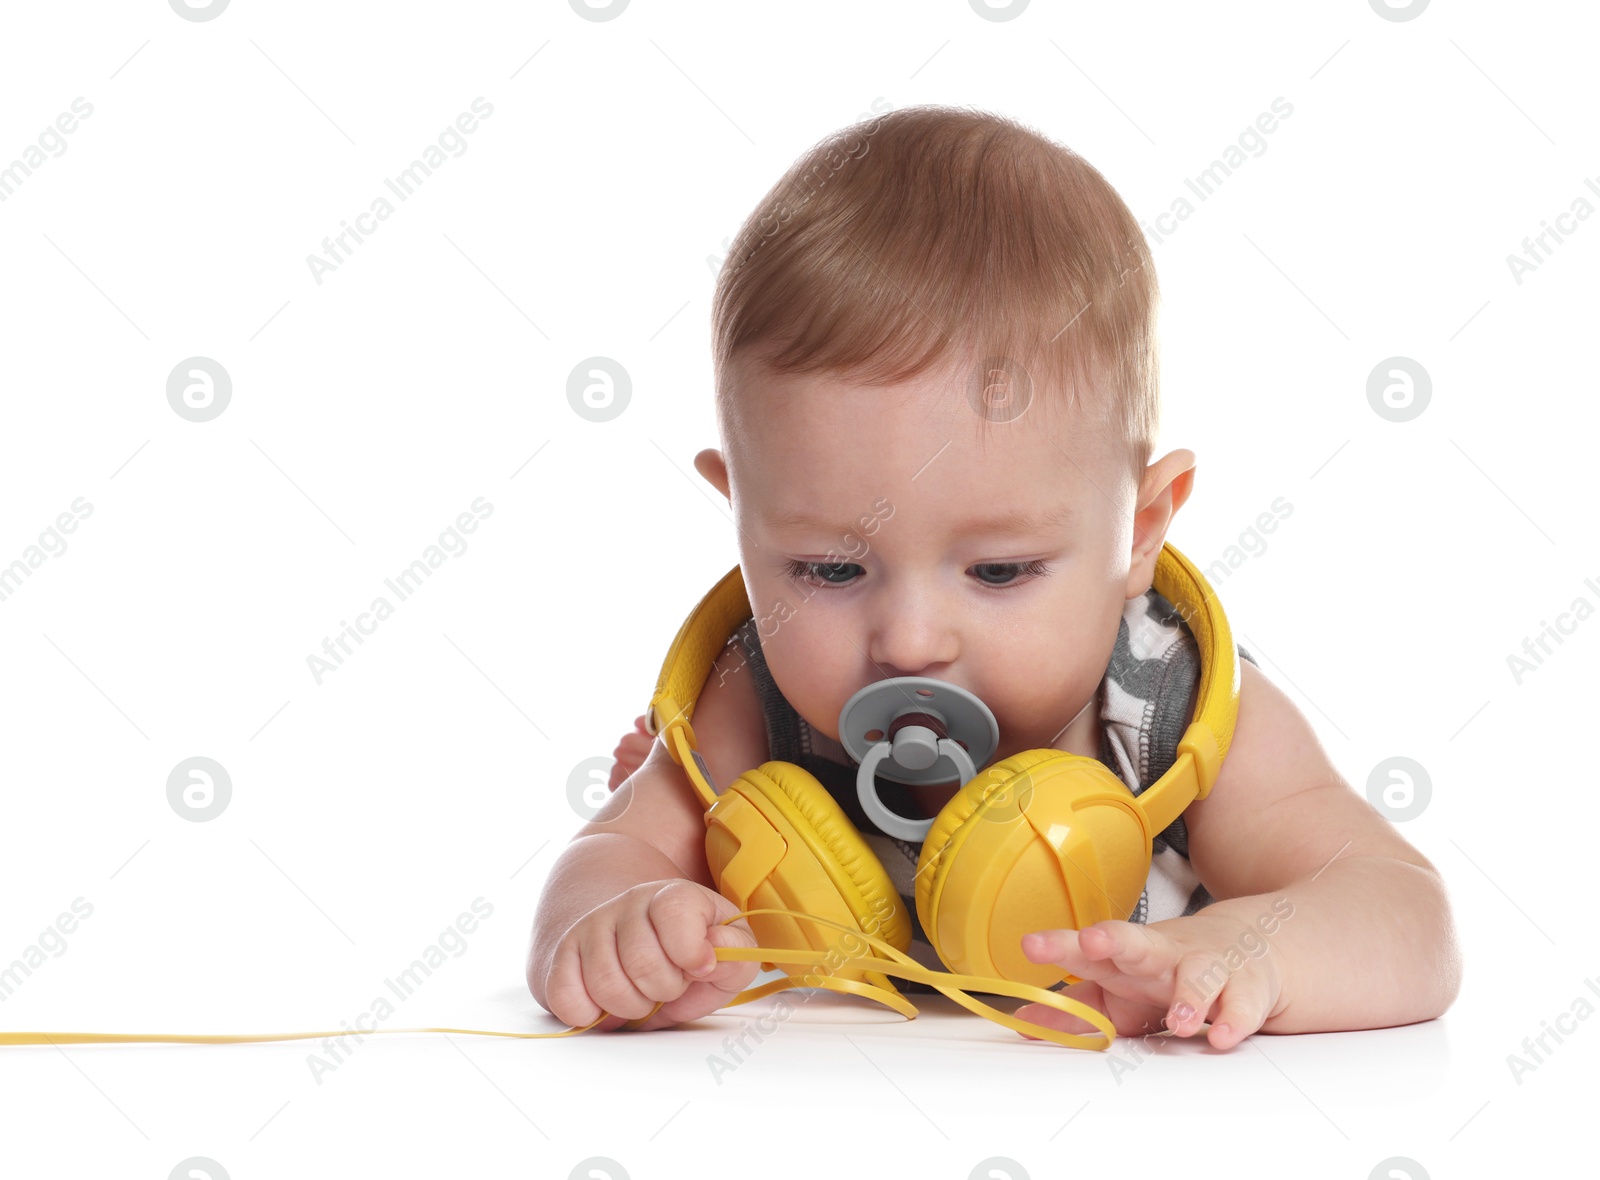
(870,714)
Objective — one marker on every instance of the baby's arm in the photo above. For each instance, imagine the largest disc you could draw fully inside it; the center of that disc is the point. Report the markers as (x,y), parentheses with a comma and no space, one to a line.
(1327,919)
(629,910)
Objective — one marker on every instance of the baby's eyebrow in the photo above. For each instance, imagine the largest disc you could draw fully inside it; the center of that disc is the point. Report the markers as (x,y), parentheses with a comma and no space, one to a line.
(1030,521)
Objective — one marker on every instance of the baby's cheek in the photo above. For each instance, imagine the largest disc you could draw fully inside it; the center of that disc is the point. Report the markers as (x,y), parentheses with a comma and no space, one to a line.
(1044,701)
(815,689)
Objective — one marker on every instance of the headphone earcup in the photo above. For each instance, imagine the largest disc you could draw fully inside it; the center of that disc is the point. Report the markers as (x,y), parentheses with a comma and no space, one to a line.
(932,861)
(1041,840)
(776,838)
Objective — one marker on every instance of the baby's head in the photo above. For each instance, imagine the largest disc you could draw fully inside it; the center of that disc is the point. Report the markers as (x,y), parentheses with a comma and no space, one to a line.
(936,382)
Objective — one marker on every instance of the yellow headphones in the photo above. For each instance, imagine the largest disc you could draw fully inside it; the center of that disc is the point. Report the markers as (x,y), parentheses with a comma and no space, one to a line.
(1041,840)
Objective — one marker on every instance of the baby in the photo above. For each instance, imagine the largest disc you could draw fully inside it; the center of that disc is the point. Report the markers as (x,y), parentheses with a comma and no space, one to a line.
(937,399)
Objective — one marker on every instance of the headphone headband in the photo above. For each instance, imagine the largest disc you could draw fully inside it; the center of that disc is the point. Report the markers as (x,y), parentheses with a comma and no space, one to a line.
(702,636)
(1218,697)
(699,641)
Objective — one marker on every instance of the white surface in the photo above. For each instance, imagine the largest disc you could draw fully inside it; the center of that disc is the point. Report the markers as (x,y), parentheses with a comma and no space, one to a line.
(431,369)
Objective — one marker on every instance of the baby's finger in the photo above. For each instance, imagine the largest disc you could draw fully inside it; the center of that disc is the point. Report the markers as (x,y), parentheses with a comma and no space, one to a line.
(1088,992)
(643,957)
(1061,948)
(732,975)
(607,982)
(565,994)
(680,915)
(1242,1008)
(712,993)
(1103,950)
(1135,950)
(1197,981)
(1128,1017)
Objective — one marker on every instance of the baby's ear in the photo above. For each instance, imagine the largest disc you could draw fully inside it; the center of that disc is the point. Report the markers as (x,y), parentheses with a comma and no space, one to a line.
(1181,486)
(710,465)
(1164,488)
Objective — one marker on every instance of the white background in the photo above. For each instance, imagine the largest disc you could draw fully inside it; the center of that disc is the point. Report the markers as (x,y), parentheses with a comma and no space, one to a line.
(371,409)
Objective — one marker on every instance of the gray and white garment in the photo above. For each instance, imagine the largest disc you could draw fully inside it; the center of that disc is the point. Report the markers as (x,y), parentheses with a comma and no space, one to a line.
(1153,674)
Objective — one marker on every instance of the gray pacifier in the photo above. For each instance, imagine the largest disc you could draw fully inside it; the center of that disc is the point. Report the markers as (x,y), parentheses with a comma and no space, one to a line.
(916,730)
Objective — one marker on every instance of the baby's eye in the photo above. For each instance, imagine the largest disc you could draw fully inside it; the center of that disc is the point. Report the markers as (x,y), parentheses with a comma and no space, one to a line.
(998,574)
(829,573)
(1005,573)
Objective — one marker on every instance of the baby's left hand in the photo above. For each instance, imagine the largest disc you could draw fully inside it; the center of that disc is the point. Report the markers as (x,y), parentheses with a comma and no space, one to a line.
(1187,970)
(630,753)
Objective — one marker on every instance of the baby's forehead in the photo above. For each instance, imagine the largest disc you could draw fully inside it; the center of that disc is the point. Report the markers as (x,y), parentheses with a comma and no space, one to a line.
(955,488)
(845,435)
(959,389)
(900,521)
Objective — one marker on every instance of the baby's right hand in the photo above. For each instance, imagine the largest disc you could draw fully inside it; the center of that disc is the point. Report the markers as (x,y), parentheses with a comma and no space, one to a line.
(651,942)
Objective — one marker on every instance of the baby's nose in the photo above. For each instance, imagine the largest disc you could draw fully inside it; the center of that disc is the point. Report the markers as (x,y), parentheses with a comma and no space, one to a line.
(892,671)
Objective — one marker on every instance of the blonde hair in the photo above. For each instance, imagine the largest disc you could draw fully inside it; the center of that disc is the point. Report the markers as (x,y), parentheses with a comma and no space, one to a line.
(933,234)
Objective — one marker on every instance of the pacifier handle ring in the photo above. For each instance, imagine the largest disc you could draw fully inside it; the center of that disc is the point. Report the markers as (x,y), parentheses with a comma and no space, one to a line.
(898,826)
